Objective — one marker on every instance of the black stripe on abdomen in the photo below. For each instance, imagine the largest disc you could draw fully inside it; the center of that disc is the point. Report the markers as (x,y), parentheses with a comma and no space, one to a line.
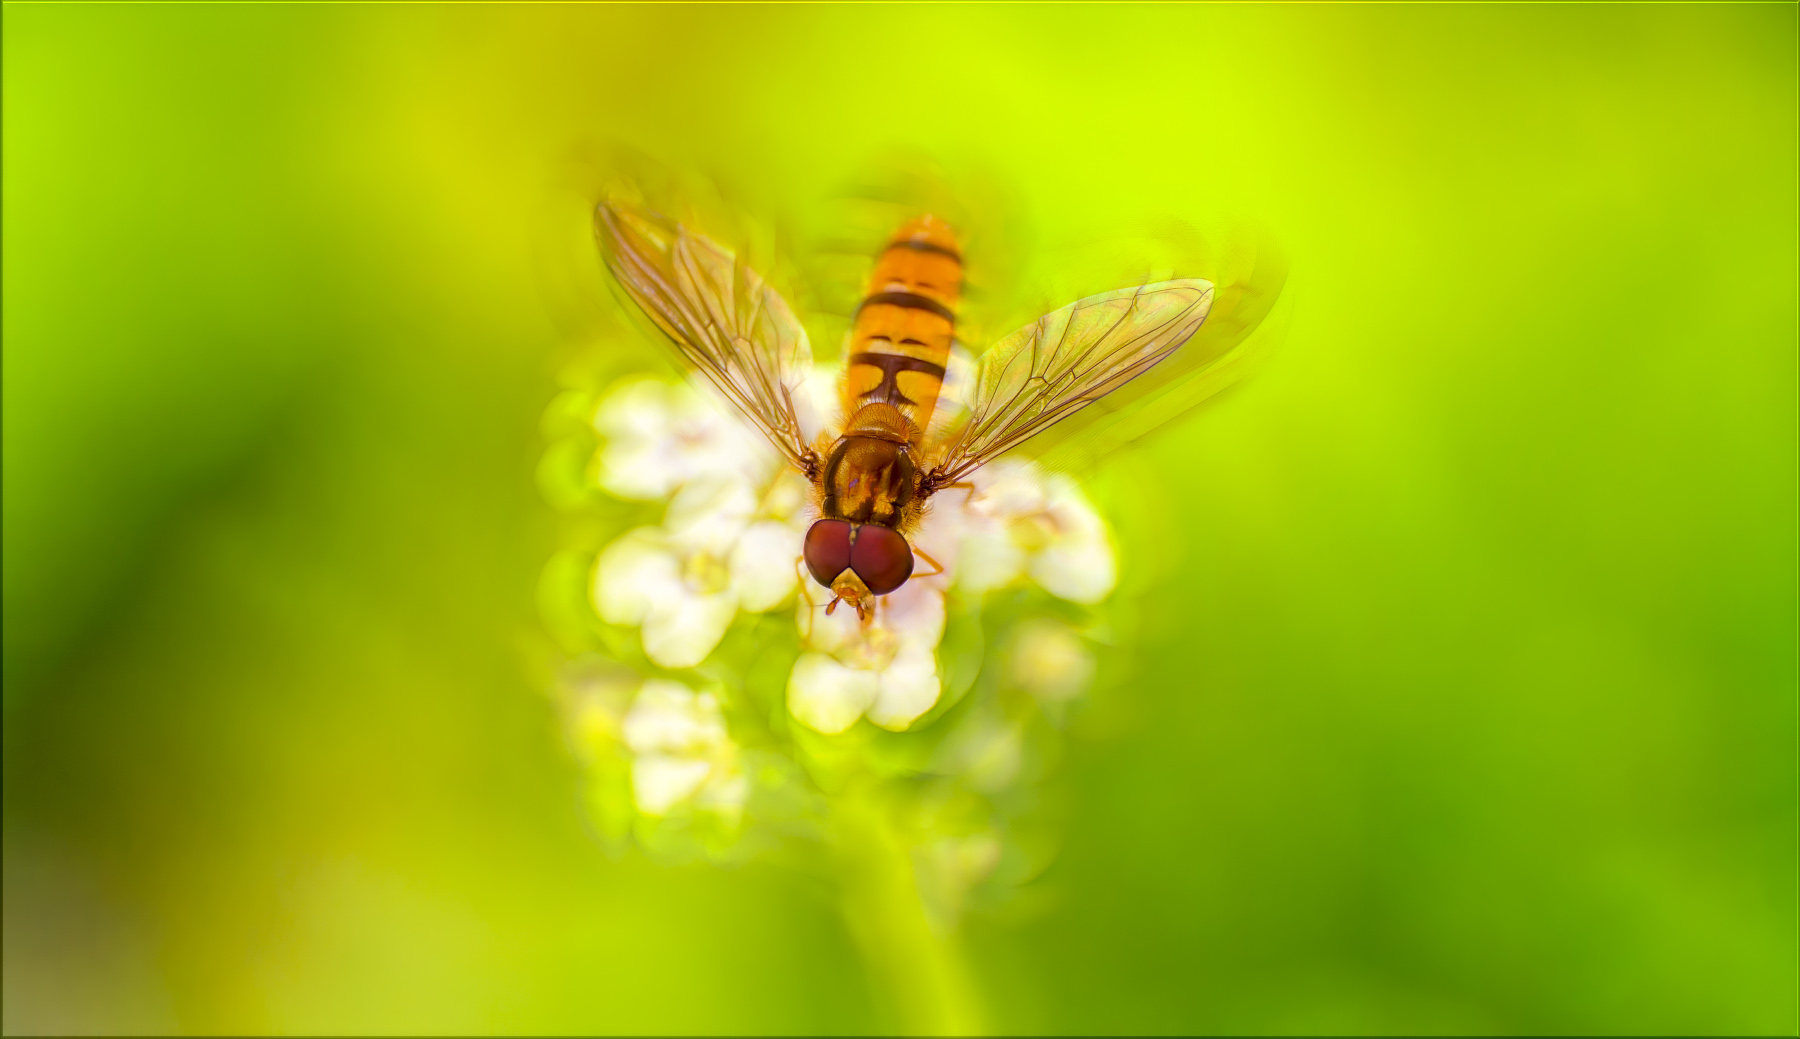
(891,366)
(911,301)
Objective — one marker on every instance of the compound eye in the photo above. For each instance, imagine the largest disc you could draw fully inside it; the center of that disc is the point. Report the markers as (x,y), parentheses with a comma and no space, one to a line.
(828,549)
(881,557)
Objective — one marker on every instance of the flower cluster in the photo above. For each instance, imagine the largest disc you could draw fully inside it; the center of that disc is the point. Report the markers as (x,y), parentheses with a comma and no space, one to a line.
(728,697)
(726,540)
(1013,524)
(730,538)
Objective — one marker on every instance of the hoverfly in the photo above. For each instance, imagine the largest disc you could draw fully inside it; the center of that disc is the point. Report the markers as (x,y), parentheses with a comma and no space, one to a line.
(875,471)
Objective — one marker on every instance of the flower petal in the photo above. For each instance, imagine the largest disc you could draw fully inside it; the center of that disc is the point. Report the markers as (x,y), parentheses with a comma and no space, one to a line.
(681,630)
(909,686)
(989,558)
(708,513)
(1081,572)
(1078,563)
(659,436)
(915,613)
(637,421)
(1008,489)
(827,696)
(668,717)
(632,575)
(660,782)
(764,565)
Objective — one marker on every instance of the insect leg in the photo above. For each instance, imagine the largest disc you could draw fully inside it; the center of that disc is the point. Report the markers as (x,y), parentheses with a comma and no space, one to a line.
(811,606)
(917,551)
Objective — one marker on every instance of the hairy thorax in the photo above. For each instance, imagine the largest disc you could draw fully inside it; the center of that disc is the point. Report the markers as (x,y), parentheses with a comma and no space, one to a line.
(869,475)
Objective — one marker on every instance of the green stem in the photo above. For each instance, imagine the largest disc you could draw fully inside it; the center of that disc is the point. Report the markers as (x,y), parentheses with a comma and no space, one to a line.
(915,968)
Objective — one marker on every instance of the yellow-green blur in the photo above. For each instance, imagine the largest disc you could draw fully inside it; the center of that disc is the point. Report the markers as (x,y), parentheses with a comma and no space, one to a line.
(1451,680)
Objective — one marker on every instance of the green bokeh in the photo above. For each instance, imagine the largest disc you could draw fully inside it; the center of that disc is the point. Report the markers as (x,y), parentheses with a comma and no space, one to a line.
(1455,687)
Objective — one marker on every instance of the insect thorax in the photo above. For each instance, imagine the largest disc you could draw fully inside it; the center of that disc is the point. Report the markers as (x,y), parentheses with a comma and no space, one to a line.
(870,476)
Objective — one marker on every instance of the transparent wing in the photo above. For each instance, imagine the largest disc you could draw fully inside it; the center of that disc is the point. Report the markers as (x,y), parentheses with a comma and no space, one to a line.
(1104,371)
(1067,360)
(726,321)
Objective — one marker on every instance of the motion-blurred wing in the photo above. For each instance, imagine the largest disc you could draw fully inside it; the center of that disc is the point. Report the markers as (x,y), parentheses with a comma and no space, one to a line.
(726,321)
(1107,370)
(1067,360)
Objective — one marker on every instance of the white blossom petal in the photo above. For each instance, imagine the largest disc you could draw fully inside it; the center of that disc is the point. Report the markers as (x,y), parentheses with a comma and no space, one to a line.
(1082,572)
(659,436)
(669,717)
(940,535)
(660,782)
(915,612)
(681,751)
(1078,563)
(633,574)
(989,558)
(637,422)
(680,631)
(708,513)
(827,696)
(764,565)
(909,687)
(1008,489)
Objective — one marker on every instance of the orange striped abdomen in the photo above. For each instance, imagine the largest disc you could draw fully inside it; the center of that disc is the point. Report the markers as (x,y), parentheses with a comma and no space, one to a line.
(900,342)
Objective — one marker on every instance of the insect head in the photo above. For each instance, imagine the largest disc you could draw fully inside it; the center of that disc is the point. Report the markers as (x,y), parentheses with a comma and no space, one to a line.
(857,561)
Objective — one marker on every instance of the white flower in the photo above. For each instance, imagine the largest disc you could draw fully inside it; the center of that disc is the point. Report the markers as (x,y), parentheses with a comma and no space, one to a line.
(731,540)
(1075,560)
(1020,521)
(683,604)
(828,696)
(728,540)
(681,752)
(658,436)
(1016,522)
(885,668)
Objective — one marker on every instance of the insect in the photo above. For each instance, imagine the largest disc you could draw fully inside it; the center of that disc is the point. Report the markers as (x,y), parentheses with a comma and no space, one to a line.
(876,470)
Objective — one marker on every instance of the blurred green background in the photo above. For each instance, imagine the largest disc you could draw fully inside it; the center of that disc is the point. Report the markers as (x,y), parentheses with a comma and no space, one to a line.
(1458,691)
